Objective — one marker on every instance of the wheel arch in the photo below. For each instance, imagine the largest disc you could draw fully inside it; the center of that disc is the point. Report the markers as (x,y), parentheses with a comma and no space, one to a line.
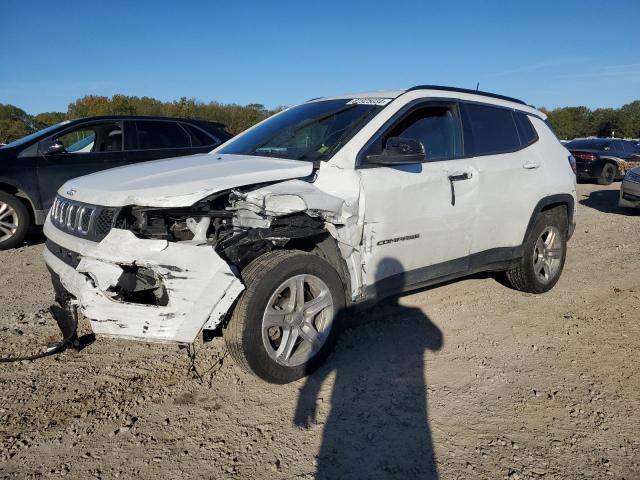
(550,202)
(327,248)
(16,191)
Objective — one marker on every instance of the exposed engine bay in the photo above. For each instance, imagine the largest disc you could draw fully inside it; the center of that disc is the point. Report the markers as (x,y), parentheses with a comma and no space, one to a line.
(238,237)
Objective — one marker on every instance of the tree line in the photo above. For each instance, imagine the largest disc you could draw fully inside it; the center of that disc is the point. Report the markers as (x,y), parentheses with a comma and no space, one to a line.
(16,123)
(568,122)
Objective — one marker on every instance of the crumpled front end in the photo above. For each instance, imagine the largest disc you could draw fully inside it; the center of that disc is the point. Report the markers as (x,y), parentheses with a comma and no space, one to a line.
(145,289)
(166,272)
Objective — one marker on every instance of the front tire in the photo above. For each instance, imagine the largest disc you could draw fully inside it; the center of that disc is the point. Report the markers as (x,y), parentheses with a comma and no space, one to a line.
(14,221)
(608,174)
(543,257)
(287,320)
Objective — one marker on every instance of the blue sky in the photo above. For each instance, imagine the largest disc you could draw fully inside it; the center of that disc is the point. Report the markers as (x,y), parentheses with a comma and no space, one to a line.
(549,53)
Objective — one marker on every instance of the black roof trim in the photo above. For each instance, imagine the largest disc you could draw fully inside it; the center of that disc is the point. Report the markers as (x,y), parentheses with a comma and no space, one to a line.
(465,90)
(145,117)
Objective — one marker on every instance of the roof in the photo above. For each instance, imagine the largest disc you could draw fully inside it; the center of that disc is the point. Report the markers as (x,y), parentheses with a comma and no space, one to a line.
(466,90)
(147,117)
(441,91)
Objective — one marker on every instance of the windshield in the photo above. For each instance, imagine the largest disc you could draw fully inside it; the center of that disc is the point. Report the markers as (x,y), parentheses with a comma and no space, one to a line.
(33,136)
(311,131)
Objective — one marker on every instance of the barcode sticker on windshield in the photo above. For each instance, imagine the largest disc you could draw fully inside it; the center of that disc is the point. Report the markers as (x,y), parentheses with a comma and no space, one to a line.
(369,101)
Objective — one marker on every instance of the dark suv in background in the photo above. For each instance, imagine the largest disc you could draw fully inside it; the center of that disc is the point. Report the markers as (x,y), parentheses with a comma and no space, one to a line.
(34,167)
(602,159)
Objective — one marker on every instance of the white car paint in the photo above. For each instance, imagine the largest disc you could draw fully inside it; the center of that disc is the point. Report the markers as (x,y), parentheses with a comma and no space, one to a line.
(201,285)
(179,181)
(363,209)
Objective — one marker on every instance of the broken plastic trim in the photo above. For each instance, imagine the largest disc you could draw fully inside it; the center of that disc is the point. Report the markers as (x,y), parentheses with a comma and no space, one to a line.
(140,285)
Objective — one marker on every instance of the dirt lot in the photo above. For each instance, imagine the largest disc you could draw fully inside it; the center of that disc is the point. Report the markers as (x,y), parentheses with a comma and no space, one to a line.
(499,384)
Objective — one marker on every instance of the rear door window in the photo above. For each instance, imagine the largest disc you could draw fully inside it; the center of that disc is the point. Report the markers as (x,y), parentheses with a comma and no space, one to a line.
(489,130)
(157,135)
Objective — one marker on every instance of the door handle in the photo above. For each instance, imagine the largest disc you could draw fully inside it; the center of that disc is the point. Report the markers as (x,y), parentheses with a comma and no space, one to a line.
(457,177)
(531,165)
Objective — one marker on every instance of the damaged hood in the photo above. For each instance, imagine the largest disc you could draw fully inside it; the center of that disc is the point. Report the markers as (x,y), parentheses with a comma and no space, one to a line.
(180,181)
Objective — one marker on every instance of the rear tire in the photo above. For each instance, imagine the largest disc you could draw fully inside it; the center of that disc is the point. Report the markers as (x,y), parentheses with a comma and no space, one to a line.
(274,332)
(544,253)
(608,174)
(14,221)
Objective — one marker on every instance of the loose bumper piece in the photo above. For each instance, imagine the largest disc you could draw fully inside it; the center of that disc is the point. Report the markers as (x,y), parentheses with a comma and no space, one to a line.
(199,287)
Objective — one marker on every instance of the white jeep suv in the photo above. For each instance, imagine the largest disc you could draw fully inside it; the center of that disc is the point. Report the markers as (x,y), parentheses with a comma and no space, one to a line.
(323,207)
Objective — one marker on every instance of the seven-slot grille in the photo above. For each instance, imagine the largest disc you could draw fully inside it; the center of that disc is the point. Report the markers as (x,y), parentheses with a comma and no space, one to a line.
(82,220)
(72,217)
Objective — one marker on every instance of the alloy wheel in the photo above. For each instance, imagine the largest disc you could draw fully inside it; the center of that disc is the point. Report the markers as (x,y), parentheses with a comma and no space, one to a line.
(547,254)
(8,221)
(297,320)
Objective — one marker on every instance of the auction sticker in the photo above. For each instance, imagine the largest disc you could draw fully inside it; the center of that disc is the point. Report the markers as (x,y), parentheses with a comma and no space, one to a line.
(369,101)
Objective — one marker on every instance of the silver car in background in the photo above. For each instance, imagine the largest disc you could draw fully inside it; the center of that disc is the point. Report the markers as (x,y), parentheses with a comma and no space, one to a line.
(630,189)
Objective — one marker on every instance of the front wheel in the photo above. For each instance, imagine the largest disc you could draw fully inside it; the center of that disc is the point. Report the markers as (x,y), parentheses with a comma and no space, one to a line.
(544,253)
(14,221)
(288,318)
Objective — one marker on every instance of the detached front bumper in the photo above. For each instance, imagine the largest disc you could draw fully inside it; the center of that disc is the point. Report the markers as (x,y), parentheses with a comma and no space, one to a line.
(199,286)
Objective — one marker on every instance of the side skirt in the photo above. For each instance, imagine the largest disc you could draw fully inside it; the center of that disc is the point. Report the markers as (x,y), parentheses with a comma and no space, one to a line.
(495,259)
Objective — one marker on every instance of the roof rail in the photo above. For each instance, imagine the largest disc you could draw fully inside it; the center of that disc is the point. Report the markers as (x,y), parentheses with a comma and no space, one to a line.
(465,90)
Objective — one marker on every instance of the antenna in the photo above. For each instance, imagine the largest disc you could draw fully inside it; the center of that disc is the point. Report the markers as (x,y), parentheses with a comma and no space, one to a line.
(477,86)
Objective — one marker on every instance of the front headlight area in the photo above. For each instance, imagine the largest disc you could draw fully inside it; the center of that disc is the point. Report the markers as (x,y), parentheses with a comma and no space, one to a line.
(206,222)
(238,235)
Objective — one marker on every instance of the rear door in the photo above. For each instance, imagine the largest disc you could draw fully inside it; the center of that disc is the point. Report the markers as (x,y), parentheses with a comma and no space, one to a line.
(155,139)
(500,144)
(89,147)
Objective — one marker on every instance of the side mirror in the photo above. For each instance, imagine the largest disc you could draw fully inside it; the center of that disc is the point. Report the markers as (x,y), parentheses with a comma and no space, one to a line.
(399,151)
(56,147)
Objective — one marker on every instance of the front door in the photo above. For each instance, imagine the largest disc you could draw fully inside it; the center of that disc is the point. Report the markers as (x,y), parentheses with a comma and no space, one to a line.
(88,148)
(418,218)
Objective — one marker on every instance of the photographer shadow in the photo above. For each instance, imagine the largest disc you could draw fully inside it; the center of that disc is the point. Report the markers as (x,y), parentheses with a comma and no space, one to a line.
(378,424)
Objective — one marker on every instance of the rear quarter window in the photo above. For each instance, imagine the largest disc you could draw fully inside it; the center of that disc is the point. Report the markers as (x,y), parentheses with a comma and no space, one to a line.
(198,137)
(526,132)
(489,130)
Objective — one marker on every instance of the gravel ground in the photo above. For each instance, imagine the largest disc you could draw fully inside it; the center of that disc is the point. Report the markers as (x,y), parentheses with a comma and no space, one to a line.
(490,382)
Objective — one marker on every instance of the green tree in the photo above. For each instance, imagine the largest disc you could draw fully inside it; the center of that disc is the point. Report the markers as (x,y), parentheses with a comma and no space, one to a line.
(630,119)
(46,119)
(14,123)
(571,122)
(606,122)
(11,130)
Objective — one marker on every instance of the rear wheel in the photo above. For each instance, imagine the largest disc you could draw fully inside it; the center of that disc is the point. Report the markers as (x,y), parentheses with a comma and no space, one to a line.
(14,221)
(608,174)
(288,319)
(544,254)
